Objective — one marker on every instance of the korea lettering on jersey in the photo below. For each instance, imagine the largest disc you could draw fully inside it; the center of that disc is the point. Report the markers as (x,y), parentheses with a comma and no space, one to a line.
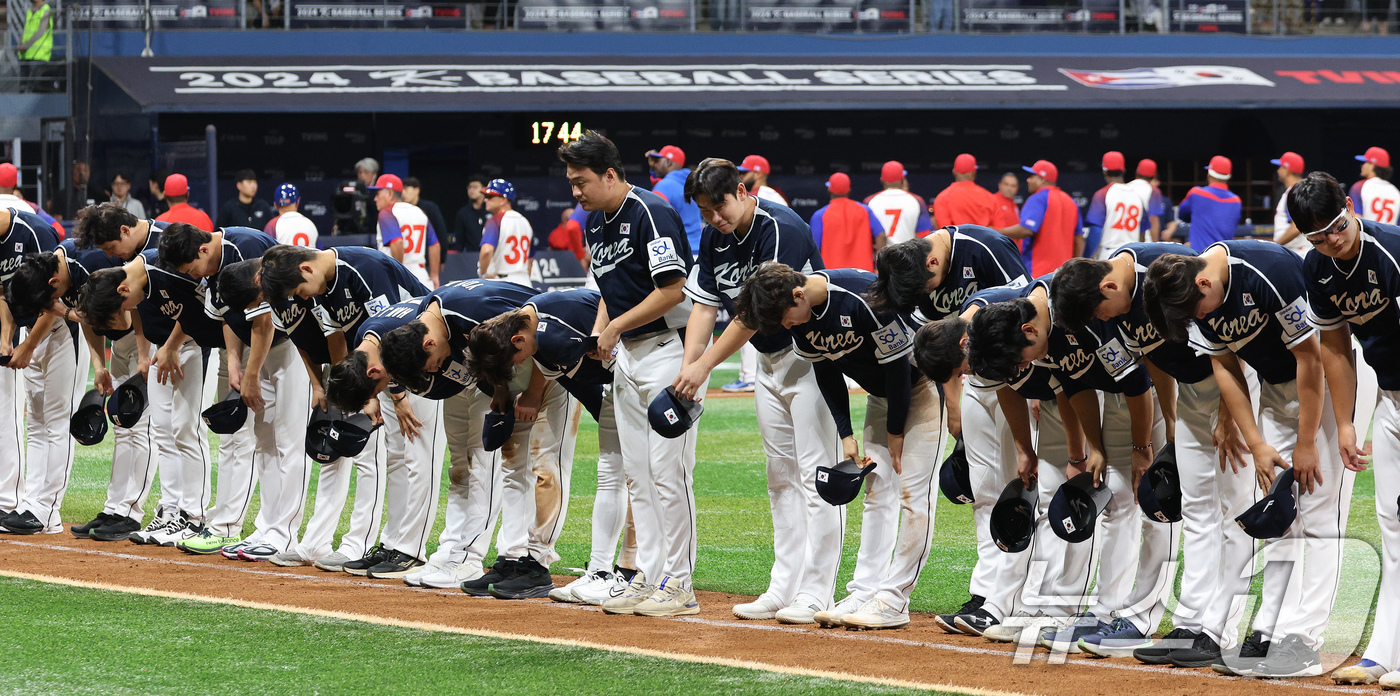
(28,234)
(635,249)
(466,304)
(1135,328)
(1361,294)
(1094,357)
(981,258)
(846,327)
(1265,312)
(366,283)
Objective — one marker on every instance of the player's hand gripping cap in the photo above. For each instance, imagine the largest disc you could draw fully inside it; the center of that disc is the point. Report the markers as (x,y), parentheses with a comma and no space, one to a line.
(128,401)
(89,422)
(350,435)
(671,415)
(1271,517)
(1159,491)
(227,416)
(1012,523)
(496,429)
(1076,506)
(953,478)
(287,194)
(840,484)
(318,438)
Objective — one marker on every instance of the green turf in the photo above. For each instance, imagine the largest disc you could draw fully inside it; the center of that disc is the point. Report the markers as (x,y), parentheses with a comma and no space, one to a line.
(81,641)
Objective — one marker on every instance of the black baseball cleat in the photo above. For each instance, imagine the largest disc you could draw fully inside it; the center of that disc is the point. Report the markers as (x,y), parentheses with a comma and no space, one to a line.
(22,523)
(361,566)
(499,571)
(1160,652)
(530,580)
(1290,657)
(119,529)
(1204,652)
(1243,660)
(975,622)
(946,621)
(396,565)
(80,531)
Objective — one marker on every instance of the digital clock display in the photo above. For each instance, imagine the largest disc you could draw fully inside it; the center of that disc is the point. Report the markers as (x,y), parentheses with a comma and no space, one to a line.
(555,132)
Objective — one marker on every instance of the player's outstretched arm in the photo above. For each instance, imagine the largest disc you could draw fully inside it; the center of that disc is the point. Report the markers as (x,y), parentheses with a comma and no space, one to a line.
(7,327)
(435,264)
(1234,391)
(97,352)
(168,356)
(1086,411)
(696,366)
(263,332)
(318,390)
(1018,418)
(1165,387)
(19,358)
(1306,462)
(1140,412)
(1340,371)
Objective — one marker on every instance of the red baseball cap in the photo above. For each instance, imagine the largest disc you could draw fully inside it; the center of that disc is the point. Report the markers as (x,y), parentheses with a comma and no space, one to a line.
(839,184)
(964,164)
(1147,168)
(1375,155)
(1044,170)
(755,163)
(1291,161)
(670,152)
(387,181)
(1220,166)
(1113,161)
(177,185)
(9,176)
(892,171)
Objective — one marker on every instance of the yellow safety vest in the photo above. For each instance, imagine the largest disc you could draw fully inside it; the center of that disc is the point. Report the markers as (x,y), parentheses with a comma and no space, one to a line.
(38,22)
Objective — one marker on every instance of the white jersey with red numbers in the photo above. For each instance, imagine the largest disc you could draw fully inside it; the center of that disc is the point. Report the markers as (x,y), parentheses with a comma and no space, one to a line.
(1282,222)
(512,238)
(768,193)
(293,228)
(900,212)
(417,235)
(1380,201)
(1124,207)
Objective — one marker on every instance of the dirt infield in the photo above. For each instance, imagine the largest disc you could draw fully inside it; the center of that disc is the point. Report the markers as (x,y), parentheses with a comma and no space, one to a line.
(922,653)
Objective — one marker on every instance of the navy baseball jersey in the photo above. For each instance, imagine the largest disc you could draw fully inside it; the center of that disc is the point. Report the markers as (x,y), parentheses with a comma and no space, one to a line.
(152,238)
(1265,313)
(302,321)
(636,249)
(448,381)
(27,234)
(1177,359)
(81,264)
(157,314)
(238,244)
(466,304)
(367,281)
(1034,382)
(726,260)
(1094,358)
(981,258)
(566,321)
(1361,293)
(182,298)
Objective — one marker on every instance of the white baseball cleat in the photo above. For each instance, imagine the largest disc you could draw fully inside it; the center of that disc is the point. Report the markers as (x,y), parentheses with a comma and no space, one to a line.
(670,599)
(451,575)
(638,591)
(413,579)
(835,616)
(595,593)
(1391,680)
(876,614)
(1009,630)
(566,594)
(1363,672)
(803,611)
(765,607)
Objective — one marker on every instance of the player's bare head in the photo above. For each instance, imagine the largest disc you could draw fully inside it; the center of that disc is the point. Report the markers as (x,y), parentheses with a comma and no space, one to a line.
(1009,185)
(940,348)
(349,385)
(1075,292)
(715,188)
(997,339)
(1315,202)
(1171,294)
(238,285)
(772,298)
(405,356)
(905,274)
(180,244)
(497,346)
(594,168)
(285,268)
(101,225)
(31,289)
(102,298)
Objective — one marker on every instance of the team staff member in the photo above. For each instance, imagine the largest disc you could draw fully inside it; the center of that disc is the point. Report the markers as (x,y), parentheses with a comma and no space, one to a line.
(902,214)
(507,242)
(413,195)
(177,194)
(1344,301)
(1146,187)
(404,231)
(1049,228)
(964,202)
(641,257)
(290,226)
(1212,210)
(756,169)
(847,233)
(1115,212)
(245,209)
(1290,172)
(799,435)
(1007,214)
(669,172)
(471,218)
(1373,195)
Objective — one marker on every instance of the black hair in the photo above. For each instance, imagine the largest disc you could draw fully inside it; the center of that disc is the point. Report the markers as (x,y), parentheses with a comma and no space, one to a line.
(403,355)
(245,175)
(714,178)
(594,151)
(1075,293)
(238,284)
(281,270)
(938,351)
(100,224)
(1113,173)
(28,291)
(1170,295)
(412,181)
(348,385)
(179,245)
(1382,172)
(1315,201)
(121,174)
(767,296)
(901,276)
(99,300)
(995,339)
(158,177)
(490,352)
(478,178)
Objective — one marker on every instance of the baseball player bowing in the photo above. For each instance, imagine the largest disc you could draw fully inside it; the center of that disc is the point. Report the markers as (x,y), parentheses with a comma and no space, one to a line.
(833,327)
(48,360)
(641,257)
(741,232)
(1246,301)
(1353,280)
(930,278)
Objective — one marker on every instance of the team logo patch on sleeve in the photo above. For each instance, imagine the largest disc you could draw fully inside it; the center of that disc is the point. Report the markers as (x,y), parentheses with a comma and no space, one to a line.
(662,252)
(890,338)
(1294,319)
(1115,358)
(377,305)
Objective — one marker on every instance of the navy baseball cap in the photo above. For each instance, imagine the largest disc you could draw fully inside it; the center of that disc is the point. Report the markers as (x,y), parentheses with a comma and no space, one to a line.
(953,478)
(348,436)
(496,429)
(671,415)
(318,439)
(500,187)
(1271,517)
(287,194)
(1076,506)
(89,422)
(1012,523)
(227,416)
(841,484)
(1159,490)
(128,401)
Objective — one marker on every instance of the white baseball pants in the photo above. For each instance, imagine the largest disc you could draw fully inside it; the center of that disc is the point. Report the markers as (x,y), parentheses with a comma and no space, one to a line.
(1057,582)
(133,459)
(1384,648)
(610,506)
(413,471)
(11,438)
(53,388)
(179,434)
(333,486)
(991,464)
(539,459)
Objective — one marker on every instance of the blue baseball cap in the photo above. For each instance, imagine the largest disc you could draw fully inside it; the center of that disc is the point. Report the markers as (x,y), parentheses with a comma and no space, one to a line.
(671,416)
(500,187)
(840,484)
(953,478)
(496,429)
(1077,506)
(1012,522)
(287,194)
(1159,489)
(1271,517)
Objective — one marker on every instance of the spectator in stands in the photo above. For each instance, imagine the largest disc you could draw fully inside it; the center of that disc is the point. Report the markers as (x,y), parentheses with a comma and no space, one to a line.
(367,171)
(1212,210)
(177,193)
(36,43)
(755,170)
(847,233)
(121,194)
(155,202)
(290,226)
(903,214)
(1007,213)
(245,210)
(668,166)
(1146,186)
(10,195)
(568,236)
(413,195)
(1049,230)
(471,219)
(964,202)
